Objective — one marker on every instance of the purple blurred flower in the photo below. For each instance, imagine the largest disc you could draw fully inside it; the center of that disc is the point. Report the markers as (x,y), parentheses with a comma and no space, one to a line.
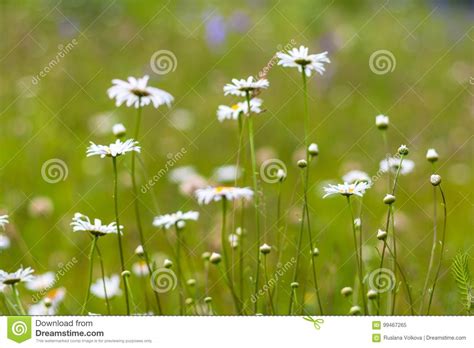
(216,30)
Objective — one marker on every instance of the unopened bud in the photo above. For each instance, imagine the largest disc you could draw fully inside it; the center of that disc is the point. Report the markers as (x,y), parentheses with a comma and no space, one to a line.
(381,235)
(435,179)
(382,121)
(302,163)
(265,249)
(403,150)
(346,291)
(432,155)
(389,199)
(313,149)
(215,258)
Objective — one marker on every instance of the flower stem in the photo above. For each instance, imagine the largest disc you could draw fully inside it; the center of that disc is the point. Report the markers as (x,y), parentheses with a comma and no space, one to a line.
(119,233)
(226,256)
(91,264)
(16,296)
(256,201)
(269,292)
(179,270)
(103,276)
(443,238)
(136,203)
(359,260)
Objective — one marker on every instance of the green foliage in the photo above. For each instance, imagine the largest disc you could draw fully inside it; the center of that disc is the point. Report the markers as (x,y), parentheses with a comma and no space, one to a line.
(462,276)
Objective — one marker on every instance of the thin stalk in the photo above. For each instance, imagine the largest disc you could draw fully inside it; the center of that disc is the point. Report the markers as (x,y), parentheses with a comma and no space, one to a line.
(179,270)
(256,201)
(387,224)
(394,241)
(298,255)
(404,279)
(91,264)
(359,261)
(16,296)
(136,203)
(226,256)
(269,292)
(103,277)
(279,236)
(433,249)
(119,234)
(387,154)
(443,238)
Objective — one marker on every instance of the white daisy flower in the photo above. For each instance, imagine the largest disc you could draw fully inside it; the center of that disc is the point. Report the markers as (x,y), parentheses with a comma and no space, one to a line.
(136,93)
(225,112)
(299,58)
(227,173)
(49,304)
(169,220)
(209,194)
(346,189)
(81,222)
(242,87)
(41,282)
(140,268)
(22,275)
(113,150)
(392,164)
(4,242)
(112,285)
(3,221)
(356,176)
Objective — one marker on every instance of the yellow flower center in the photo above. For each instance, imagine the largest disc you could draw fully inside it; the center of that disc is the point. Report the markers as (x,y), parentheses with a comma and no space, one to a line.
(235,107)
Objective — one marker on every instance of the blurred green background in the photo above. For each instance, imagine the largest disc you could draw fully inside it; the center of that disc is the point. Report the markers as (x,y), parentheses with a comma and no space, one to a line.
(427,96)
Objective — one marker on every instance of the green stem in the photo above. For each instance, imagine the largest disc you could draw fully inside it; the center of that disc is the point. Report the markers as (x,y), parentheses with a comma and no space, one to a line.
(226,256)
(119,233)
(298,255)
(136,203)
(443,238)
(359,261)
(269,292)
(16,296)
(256,202)
(179,270)
(91,264)
(103,277)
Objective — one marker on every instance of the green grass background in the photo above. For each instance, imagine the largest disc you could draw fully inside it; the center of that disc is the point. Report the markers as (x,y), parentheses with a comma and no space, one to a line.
(427,96)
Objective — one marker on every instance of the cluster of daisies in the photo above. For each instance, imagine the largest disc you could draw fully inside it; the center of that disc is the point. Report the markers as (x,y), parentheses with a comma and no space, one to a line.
(136,93)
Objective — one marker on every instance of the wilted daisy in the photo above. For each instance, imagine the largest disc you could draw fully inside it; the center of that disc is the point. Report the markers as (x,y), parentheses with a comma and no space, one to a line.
(225,112)
(209,194)
(136,93)
(169,220)
(242,87)
(299,58)
(112,285)
(227,173)
(140,268)
(3,221)
(113,150)
(4,242)
(356,176)
(346,189)
(81,222)
(22,275)
(41,282)
(393,163)
(49,304)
